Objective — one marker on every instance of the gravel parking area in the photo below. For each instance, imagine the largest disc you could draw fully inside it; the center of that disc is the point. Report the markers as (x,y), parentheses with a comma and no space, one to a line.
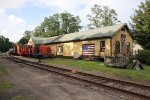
(34,84)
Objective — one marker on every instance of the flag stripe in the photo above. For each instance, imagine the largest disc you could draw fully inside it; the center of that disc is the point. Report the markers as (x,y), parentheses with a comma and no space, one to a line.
(88,49)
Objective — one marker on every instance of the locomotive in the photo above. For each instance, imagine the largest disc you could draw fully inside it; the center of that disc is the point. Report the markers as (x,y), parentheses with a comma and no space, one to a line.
(32,51)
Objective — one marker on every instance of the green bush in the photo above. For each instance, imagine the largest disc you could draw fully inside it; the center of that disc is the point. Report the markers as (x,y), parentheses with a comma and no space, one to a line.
(143,56)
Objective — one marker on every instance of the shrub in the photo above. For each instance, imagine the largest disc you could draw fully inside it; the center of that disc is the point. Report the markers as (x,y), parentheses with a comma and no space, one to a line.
(143,56)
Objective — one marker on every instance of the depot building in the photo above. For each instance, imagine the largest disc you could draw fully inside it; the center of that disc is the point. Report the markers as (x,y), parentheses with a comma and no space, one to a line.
(98,42)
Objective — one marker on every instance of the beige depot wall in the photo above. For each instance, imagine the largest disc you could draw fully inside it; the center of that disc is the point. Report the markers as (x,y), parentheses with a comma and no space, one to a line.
(69,48)
(30,42)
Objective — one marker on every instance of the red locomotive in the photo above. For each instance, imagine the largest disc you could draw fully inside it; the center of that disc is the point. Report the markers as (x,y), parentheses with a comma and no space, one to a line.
(29,50)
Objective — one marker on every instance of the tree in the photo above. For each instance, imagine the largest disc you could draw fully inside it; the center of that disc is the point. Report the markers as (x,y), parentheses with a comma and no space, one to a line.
(141,24)
(51,26)
(39,31)
(25,39)
(69,23)
(58,24)
(102,16)
(5,44)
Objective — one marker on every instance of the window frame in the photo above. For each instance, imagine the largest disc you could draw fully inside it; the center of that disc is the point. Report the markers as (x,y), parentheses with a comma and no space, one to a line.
(60,49)
(117,49)
(102,46)
(128,47)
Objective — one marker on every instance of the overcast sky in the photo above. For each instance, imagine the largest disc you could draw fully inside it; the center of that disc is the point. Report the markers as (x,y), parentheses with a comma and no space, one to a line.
(16,16)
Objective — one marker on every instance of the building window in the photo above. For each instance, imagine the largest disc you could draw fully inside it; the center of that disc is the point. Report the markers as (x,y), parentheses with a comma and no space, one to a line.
(60,49)
(117,47)
(123,37)
(128,47)
(102,46)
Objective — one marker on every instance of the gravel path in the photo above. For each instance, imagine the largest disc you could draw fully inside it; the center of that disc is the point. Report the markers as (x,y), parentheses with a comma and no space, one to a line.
(34,84)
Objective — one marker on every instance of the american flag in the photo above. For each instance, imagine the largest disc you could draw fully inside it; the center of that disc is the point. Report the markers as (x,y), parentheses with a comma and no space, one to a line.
(88,49)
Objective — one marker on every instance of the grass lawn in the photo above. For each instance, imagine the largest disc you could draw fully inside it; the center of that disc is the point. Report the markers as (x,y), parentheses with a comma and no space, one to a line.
(19,98)
(4,85)
(99,66)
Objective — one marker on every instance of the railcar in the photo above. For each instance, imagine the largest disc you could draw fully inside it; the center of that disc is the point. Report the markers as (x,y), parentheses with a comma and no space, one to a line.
(42,50)
(29,50)
(45,50)
(26,50)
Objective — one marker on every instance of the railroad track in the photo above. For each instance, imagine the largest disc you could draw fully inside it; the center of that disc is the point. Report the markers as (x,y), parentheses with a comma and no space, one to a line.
(137,90)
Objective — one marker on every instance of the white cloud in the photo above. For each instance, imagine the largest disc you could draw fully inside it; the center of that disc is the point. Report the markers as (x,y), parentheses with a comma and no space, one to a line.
(60,4)
(124,8)
(7,4)
(12,26)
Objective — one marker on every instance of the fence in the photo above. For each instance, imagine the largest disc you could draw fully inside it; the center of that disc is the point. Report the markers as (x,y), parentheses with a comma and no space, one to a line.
(116,61)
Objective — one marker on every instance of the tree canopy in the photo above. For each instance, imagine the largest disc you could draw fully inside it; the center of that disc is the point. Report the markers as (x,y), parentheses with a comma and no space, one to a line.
(141,24)
(102,16)
(25,39)
(5,44)
(58,24)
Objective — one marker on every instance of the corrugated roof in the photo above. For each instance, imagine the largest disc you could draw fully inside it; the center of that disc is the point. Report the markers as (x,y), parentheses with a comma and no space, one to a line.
(93,33)
(107,31)
(42,40)
(37,40)
(50,39)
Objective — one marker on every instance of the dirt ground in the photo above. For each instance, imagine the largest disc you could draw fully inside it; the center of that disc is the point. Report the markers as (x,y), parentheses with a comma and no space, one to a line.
(35,84)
